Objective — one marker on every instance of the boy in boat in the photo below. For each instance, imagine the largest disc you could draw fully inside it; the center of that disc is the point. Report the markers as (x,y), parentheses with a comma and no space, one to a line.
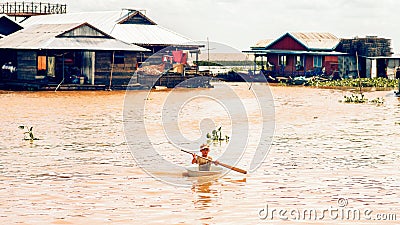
(204,164)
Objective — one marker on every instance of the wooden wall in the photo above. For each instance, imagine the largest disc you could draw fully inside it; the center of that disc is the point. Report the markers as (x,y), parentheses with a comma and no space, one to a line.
(331,64)
(83,31)
(122,73)
(309,65)
(287,43)
(26,65)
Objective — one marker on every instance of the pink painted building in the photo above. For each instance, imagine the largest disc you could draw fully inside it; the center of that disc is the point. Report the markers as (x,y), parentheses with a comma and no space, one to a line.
(299,54)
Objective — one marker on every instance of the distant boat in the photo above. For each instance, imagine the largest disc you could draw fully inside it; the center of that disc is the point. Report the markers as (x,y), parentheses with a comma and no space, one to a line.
(160,87)
(193,171)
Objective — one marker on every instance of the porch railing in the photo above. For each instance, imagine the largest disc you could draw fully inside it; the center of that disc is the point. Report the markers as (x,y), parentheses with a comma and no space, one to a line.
(31,8)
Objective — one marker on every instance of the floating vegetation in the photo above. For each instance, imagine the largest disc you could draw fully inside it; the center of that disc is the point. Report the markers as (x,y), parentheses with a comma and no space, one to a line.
(28,135)
(355,99)
(378,100)
(365,82)
(361,99)
(216,135)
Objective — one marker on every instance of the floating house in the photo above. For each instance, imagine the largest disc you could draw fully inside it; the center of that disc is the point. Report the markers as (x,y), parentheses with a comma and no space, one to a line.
(375,57)
(299,54)
(129,25)
(90,49)
(309,54)
(49,54)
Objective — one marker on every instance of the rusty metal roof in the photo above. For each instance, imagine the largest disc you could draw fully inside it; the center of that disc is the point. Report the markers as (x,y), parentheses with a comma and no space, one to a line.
(49,36)
(110,22)
(316,41)
(313,41)
(262,43)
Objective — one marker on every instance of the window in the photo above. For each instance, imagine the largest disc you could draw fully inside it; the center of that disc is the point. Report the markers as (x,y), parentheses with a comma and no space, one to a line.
(41,63)
(318,61)
(282,60)
(119,58)
(51,64)
(299,62)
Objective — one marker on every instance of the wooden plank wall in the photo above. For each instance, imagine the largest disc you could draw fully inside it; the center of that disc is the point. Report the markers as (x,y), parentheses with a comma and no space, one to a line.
(27,65)
(122,73)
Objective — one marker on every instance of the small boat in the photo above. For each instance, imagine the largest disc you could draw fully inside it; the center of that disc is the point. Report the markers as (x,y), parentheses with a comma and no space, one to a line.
(160,87)
(193,171)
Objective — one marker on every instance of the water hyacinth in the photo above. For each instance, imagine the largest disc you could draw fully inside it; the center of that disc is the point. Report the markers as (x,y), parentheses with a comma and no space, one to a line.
(216,135)
(361,99)
(355,99)
(365,82)
(28,135)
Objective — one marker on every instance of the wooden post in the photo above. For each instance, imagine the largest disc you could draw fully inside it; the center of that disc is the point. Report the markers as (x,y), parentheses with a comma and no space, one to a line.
(112,68)
(358,73)
(197,62)
(208,54)
(255,65)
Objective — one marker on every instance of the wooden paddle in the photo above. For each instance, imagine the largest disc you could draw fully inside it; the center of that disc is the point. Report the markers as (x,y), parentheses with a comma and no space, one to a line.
(219,163)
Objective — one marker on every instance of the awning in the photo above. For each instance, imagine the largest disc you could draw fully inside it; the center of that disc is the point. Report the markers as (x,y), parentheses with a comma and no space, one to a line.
(290,52)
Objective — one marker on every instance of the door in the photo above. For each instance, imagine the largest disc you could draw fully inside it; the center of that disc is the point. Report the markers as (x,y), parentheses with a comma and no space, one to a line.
(88,66)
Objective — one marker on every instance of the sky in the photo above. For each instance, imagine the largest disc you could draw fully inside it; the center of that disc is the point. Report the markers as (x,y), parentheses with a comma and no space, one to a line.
(241,23)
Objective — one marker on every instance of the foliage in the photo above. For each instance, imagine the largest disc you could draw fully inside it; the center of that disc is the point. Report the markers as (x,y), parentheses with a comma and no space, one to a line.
(28,135)
(216,135)
(361,99)
(355,99)
(378,100)
(365,82)
(205,63)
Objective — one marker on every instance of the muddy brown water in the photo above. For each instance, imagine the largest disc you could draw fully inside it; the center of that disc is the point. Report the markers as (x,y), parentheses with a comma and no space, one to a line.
(81,171)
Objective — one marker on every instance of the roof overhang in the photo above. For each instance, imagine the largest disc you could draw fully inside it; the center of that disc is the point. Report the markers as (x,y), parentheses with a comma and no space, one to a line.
(89,44)
(181,46)
(381,57)
(290,52)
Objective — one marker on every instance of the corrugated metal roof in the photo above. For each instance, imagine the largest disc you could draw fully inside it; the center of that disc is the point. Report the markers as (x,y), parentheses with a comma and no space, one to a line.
(316,41)
(147,34)
(44,36)
(104,21)
(290,52)
(108,22)
(263,43)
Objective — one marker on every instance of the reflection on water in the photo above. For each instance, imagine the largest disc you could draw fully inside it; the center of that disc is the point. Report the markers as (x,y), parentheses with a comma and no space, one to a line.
(81,170)
(205,195)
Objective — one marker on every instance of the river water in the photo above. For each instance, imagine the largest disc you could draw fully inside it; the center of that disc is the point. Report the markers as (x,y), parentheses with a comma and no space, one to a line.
(81,171)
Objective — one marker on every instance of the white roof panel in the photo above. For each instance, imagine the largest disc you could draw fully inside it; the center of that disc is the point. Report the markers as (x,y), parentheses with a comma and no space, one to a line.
(104,21)
(108,23)
(147,34)
(44,36)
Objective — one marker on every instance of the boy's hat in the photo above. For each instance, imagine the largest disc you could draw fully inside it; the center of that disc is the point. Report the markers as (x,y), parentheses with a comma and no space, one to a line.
(204,146)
